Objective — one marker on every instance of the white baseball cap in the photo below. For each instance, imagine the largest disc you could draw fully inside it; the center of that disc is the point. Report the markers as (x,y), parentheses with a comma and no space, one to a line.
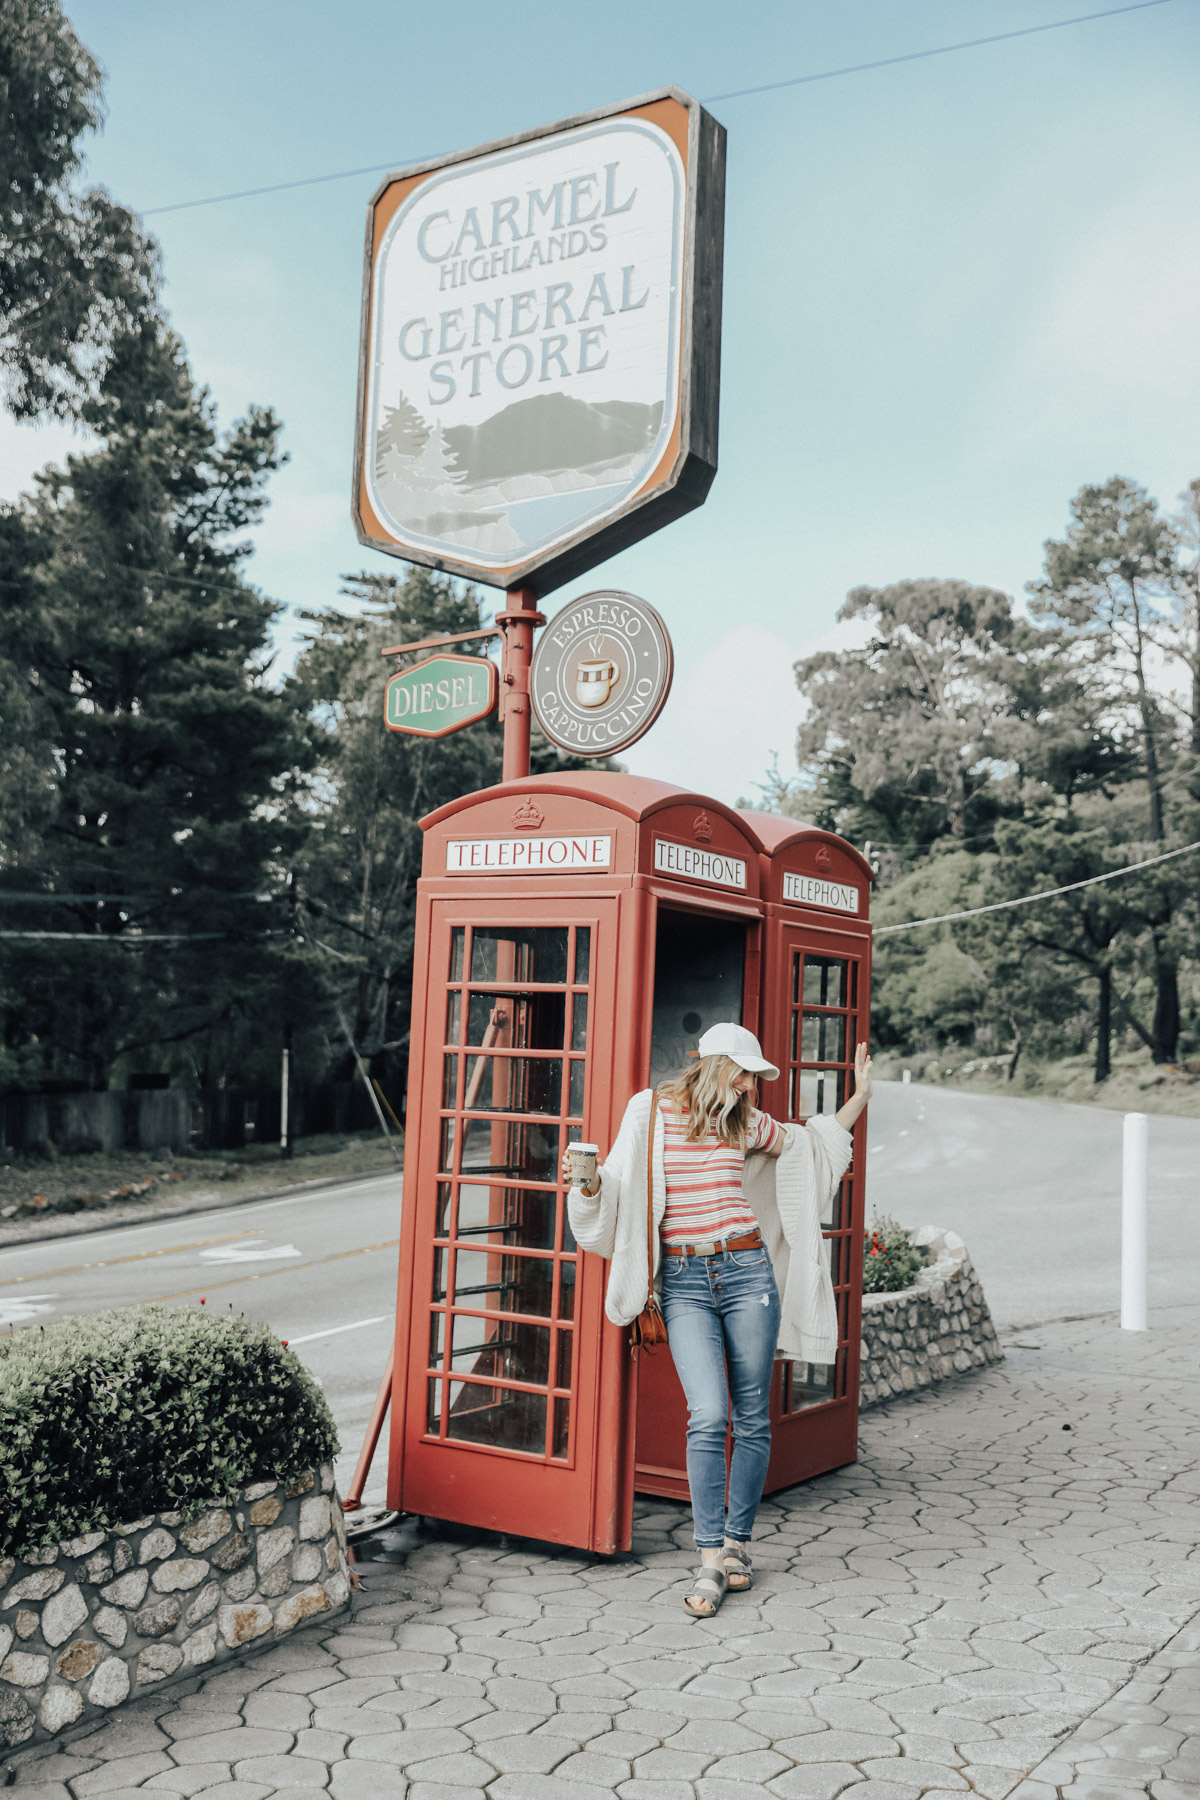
(741,1046)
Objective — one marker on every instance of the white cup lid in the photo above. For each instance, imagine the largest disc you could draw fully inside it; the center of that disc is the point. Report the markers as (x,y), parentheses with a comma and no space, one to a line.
(591,1149)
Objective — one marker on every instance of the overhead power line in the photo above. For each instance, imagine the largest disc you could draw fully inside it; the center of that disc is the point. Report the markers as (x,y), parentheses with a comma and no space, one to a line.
(766,87)
(973,912)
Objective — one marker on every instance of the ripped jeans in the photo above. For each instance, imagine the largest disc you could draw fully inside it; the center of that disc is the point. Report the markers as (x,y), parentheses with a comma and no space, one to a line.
(723,1309)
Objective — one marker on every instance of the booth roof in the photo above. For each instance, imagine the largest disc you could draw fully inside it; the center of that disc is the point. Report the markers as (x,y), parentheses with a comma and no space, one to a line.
(638,796)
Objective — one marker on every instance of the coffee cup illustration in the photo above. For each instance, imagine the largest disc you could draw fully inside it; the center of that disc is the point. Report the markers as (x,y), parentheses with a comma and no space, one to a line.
(594,681)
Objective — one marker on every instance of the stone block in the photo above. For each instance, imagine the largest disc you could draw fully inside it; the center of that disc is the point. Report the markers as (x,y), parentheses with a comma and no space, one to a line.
(277,1582)
(201,1646)
(307,1562)
(156,1662)
(111,1625)
(16,1719)
(303,1484)
(110,1684)
(159,1618)
(82,1546)
(315,1518)
(26,1622)
(181,1573)
(96,1569)
(60,1707)
(241,1584)
(266,1510)
(78,1660)
(273,1546)
(205,1531)
(127,1590)
(232,1552)
(205,1602)
(156,1545)
(34,1587)
(242,1624)
(25,1670)
(258,1489)
(62,1614)
(300,1606)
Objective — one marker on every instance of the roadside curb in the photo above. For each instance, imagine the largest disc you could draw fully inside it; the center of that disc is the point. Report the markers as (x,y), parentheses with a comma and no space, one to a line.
(116,1217)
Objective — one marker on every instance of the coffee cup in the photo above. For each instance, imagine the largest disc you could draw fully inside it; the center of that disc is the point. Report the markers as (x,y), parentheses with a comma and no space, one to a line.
(594,680)
(583,1162)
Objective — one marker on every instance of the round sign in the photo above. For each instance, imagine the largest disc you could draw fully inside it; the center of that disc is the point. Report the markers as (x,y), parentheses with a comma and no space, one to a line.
(601,673)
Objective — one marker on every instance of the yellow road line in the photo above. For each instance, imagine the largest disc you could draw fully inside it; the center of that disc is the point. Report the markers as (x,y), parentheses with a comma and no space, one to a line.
(265,1274)
(110,1262)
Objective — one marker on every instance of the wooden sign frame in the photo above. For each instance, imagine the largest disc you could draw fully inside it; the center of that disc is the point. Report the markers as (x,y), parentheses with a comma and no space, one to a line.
(681,479)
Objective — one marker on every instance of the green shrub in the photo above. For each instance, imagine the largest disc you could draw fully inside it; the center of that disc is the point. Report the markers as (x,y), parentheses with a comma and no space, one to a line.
(156,1409)
(889,1260)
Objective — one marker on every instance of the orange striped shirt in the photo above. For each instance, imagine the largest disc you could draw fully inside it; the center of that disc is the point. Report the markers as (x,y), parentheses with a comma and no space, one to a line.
(704,1181)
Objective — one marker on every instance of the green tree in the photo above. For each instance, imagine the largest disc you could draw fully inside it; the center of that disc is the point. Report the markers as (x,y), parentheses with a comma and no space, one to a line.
(77,273)
(1106,584)
(902,736)
(159,754)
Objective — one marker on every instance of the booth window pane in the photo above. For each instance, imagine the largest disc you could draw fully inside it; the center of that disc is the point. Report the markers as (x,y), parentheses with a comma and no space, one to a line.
(514,1084)
(450,1081)
(501,1351)
(822,1092)
(453,1015)
(440,1264)
(448,1134)
(498,1416)
(441,1227)
(487,1281)
(562,1429)
(433,1417)
(437,1339)
(509,1021)
(510,1218)
(579,1022)
(824,981)
(575,1106)
(562,1374)
(583,954)
(519,953)
(456,953)
(510,1149)
(823,1039)
(566,1288)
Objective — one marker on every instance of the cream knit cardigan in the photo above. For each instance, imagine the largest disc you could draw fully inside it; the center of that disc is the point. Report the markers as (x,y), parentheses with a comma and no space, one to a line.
(787,1195)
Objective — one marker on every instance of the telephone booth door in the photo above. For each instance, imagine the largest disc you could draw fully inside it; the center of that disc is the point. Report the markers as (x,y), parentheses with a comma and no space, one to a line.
(496,1358)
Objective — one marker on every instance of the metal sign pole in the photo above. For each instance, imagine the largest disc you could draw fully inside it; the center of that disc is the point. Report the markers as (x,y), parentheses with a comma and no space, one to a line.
(518,622)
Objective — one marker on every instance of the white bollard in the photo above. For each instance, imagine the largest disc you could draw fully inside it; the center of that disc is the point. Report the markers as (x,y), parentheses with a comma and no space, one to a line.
(1133,1223)
(907,1076)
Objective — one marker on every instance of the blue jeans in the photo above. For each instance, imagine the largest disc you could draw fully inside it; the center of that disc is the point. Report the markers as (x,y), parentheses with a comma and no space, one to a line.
(723,1310)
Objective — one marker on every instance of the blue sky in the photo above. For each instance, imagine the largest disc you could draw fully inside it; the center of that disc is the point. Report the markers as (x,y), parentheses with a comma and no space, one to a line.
(956,289)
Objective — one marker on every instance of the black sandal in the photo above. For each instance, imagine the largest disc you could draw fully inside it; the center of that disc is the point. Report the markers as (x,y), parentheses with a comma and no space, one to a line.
(708,1589)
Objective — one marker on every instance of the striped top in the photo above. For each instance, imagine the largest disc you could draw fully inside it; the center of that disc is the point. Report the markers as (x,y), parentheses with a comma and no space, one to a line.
(704,1181)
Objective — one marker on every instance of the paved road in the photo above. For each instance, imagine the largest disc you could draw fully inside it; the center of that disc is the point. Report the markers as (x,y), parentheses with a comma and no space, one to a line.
(319,1268)
(1034,1189)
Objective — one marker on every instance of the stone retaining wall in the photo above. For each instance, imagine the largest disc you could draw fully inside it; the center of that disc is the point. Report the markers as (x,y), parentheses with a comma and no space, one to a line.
(107,1615)
(936,1329)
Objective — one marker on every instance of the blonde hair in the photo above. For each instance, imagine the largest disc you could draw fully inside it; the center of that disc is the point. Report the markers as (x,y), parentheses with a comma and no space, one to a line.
(707,1093)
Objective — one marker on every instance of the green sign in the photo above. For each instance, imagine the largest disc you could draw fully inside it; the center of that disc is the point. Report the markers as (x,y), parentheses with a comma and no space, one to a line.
(440,695)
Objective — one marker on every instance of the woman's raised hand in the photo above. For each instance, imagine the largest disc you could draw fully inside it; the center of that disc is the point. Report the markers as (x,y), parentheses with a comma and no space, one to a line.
(863,1083)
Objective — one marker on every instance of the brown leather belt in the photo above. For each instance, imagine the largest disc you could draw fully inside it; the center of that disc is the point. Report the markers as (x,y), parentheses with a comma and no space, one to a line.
(710,1247)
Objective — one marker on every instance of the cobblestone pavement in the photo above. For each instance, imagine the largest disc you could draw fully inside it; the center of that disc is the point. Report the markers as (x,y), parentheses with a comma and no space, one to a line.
(996,1599)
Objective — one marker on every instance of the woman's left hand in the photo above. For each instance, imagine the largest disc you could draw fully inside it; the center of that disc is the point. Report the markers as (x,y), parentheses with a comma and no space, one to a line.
(863,1083)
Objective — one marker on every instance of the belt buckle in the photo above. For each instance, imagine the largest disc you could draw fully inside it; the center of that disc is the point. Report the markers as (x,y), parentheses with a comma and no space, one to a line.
(704,1249)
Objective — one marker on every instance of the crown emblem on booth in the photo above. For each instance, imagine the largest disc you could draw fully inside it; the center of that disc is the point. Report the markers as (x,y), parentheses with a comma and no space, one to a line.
(703,827)
(528,816)
(823,859)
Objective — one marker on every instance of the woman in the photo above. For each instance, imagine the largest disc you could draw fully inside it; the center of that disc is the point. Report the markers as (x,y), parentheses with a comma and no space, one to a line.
(742,1274)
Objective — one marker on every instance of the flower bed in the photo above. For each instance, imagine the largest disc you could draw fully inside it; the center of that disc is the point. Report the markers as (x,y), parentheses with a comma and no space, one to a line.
(937,1328)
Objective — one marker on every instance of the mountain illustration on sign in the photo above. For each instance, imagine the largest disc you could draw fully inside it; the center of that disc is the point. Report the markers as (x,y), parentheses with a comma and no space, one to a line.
(534,468)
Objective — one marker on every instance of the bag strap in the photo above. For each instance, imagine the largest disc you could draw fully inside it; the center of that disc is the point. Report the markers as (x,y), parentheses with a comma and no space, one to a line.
(651,1298)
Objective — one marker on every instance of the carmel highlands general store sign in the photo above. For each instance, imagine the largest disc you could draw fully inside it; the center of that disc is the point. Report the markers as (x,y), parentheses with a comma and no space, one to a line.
(540,345)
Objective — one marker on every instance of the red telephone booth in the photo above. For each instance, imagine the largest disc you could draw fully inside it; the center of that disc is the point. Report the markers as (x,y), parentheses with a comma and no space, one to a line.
(575,935)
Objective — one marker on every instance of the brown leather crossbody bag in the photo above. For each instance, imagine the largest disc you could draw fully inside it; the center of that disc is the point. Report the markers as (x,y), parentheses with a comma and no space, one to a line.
(649,1329)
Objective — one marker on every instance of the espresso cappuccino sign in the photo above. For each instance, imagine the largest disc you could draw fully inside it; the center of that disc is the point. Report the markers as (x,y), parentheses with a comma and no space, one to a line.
(601,673)
(540,345)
